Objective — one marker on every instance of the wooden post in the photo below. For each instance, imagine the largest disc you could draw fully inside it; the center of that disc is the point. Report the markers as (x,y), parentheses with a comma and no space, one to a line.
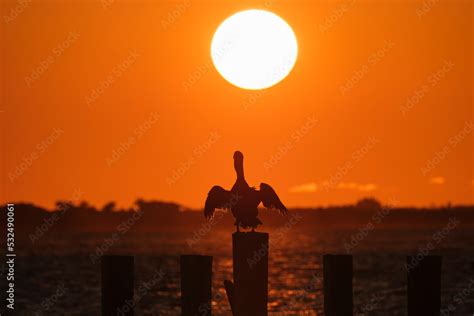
(337,285)
(424,285)
(117,285)
(250,260)
(196,285)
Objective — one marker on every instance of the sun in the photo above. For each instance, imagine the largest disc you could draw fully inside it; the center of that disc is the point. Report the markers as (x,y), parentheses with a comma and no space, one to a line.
(254,49)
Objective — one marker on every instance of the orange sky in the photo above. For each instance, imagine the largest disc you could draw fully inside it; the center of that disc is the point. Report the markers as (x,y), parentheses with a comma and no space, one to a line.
(379,103)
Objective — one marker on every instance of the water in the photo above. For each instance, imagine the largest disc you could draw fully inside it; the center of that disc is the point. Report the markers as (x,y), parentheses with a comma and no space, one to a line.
(56,275)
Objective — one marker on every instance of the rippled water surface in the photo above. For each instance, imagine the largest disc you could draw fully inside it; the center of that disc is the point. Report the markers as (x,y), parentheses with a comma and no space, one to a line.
(57,276)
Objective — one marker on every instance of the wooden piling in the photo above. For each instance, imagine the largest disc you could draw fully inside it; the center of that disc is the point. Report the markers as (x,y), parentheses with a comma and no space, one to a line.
(196,285)
(250,261)
(337,285)
(117,285)
(424,285)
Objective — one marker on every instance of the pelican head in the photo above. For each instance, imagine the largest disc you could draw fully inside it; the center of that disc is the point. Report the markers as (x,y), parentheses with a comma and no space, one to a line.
(238,156)
(239,164)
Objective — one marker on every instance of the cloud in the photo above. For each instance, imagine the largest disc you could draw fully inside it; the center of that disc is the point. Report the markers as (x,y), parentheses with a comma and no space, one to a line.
(313,187)
(437,180)
(304,188)
(357,186)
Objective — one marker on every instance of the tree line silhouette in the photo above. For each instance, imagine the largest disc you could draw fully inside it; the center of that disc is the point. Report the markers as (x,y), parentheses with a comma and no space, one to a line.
(158,216)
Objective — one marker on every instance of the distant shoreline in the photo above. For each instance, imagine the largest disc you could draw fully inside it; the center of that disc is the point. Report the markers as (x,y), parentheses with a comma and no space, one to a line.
(156,216)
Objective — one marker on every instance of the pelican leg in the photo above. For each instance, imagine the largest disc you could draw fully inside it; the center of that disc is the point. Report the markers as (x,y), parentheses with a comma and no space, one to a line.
(238,230)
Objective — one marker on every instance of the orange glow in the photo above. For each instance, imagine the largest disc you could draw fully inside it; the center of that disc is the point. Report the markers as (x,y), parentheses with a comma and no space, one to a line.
(120,99)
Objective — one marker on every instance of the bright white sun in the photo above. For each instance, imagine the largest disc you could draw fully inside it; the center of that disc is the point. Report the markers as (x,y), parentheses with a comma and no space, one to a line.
(254,49)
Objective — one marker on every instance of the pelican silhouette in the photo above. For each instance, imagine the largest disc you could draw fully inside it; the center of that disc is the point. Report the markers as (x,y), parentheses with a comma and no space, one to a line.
(242,199)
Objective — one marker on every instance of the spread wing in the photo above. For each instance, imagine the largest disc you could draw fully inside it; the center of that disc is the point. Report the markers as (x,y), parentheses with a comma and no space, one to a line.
(270,199)
(216,198)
